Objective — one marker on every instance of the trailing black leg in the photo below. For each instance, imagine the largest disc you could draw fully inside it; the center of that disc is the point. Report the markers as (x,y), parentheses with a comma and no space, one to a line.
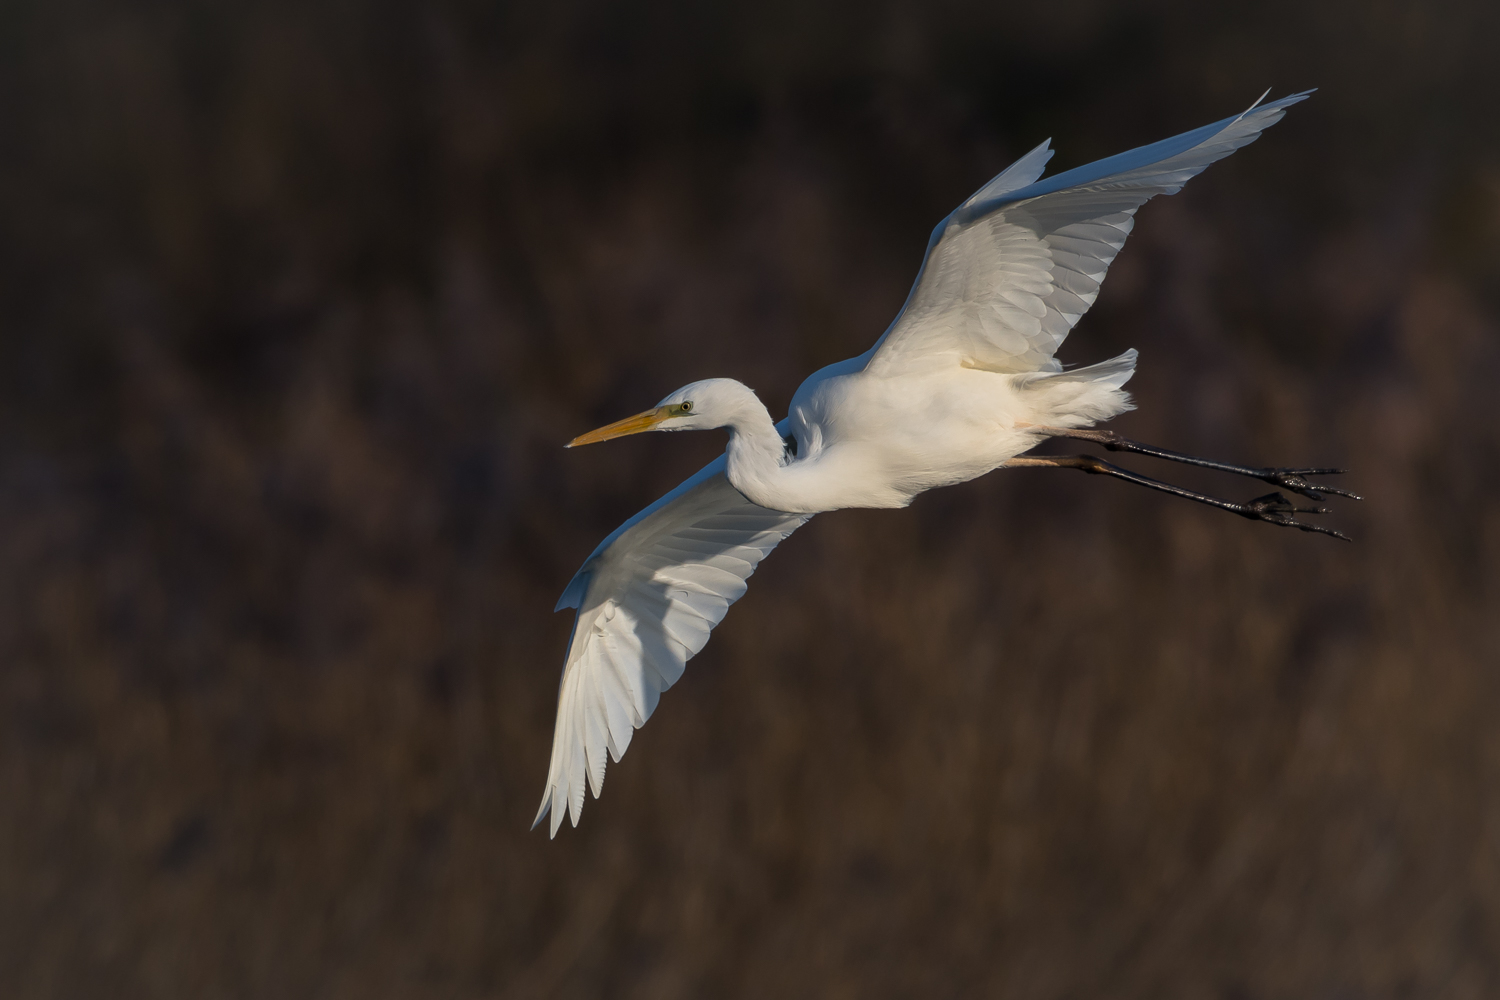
(1286,478)
(1272,508)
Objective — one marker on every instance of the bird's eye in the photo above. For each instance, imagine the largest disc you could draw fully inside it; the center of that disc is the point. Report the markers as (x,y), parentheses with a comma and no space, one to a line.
(687,407)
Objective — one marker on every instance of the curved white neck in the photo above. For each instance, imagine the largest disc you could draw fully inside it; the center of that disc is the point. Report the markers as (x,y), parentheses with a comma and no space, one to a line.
(755,456)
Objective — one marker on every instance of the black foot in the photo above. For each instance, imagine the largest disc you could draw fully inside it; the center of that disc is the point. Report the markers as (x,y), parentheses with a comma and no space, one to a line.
(1273,508)
(1291,479)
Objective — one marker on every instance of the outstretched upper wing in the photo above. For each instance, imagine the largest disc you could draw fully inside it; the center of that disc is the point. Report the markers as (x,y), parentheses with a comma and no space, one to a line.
(647,599)
(1013,268)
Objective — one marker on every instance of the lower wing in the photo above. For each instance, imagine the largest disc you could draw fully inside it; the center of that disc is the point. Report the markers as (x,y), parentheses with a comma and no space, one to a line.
(647,599)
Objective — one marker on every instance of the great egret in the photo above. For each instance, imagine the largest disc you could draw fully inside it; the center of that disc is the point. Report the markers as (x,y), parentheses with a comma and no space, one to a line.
(962,383)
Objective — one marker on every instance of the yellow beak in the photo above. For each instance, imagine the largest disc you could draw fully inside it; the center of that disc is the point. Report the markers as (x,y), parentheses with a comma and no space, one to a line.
(630,425)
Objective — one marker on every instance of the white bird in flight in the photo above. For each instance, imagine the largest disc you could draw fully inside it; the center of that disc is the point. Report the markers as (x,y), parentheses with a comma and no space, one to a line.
(963,382)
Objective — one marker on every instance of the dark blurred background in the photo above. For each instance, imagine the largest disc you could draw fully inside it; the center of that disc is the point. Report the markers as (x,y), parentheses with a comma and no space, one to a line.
(300,300)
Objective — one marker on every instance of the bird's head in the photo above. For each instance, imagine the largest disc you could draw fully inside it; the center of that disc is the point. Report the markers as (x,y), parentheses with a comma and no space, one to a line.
(704,405)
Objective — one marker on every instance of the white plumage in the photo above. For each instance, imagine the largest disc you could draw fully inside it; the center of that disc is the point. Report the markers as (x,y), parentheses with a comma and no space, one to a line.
(961,383)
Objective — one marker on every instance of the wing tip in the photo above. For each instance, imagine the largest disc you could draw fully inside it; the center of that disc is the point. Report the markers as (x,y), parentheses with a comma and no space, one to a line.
(1280,104)
(541,813)
(549,808)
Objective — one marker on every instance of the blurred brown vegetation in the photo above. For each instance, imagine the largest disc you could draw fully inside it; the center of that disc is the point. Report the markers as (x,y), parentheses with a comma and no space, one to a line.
(299,301)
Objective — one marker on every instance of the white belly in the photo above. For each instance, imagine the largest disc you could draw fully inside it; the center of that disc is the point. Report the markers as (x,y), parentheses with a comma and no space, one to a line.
(872,442)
